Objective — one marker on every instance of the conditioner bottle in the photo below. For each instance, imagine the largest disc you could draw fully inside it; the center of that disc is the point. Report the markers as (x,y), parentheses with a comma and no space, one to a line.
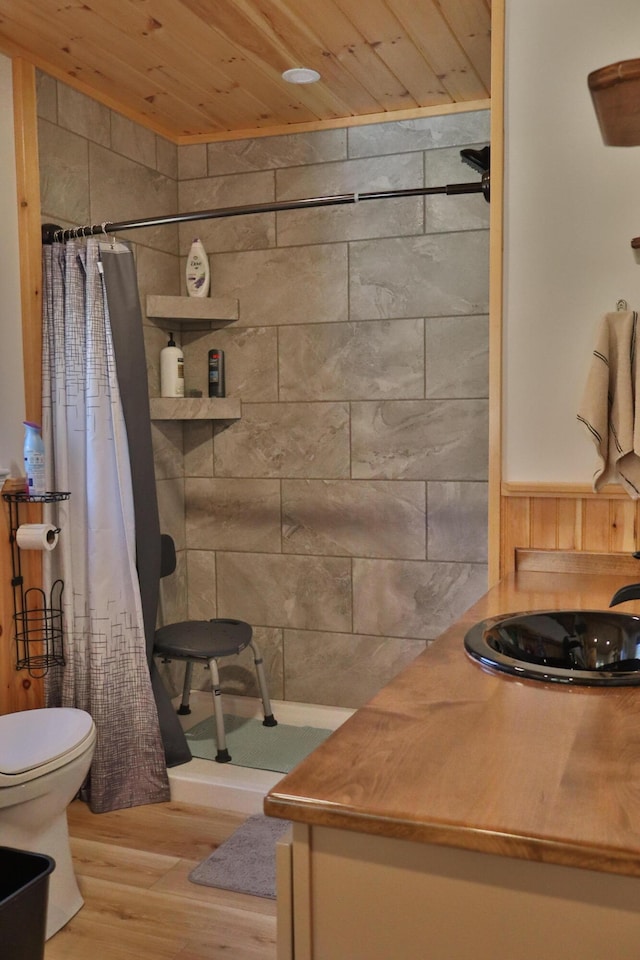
(171,370)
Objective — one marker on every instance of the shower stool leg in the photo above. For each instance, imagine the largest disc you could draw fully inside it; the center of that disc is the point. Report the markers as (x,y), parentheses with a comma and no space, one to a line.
(222,754)
(184,707)
(269,719)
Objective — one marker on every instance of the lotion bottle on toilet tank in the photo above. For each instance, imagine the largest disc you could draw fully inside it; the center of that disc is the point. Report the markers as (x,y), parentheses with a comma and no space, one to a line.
(198,275)
(171,370)
(34,459)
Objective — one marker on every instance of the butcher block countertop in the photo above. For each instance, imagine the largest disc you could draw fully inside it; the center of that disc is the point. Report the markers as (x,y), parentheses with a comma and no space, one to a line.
(449,753)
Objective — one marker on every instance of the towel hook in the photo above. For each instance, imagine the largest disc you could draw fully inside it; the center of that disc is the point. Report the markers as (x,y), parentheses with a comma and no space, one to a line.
(622,305)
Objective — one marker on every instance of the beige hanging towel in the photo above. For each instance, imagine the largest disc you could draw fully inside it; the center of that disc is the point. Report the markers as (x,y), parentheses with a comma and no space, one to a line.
(609,404)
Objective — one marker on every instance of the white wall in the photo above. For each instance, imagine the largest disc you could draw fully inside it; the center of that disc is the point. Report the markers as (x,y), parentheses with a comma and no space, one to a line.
(12,409)
(571,207)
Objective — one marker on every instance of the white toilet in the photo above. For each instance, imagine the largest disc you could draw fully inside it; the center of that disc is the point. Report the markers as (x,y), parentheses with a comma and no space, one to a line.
(45,756)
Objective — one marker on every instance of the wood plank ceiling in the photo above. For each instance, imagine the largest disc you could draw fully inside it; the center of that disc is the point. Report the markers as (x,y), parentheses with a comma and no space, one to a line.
(211,69)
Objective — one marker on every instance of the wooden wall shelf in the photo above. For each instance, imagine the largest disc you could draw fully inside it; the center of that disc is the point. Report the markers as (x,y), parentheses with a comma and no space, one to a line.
(196,312)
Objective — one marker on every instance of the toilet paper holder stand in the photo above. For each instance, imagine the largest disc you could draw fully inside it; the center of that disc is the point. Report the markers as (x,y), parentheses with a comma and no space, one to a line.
(38,628)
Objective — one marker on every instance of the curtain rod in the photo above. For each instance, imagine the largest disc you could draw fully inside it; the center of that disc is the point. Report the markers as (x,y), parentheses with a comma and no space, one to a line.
(52,232)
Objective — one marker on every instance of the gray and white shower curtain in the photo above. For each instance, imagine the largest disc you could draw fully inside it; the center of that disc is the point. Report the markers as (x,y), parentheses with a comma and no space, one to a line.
(106,668)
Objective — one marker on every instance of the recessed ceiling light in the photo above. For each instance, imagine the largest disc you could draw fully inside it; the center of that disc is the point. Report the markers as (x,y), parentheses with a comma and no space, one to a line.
(301,75)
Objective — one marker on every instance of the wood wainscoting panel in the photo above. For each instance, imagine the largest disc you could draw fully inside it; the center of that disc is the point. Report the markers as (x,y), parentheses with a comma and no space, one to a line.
(567,517)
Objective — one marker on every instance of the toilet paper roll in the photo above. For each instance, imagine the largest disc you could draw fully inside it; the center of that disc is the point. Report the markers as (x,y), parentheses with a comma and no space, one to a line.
(37,536)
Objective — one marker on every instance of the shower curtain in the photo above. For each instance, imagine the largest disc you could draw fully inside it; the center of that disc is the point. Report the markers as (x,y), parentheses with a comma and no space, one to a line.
(106,669)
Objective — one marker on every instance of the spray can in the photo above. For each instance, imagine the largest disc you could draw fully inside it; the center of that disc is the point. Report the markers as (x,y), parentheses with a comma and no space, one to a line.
(216,373)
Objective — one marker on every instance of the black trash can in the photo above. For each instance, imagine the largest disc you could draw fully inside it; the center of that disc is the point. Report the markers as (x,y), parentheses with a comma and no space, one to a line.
(24,890)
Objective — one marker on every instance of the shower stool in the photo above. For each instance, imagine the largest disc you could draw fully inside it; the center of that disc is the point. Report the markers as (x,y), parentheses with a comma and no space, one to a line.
(207,641)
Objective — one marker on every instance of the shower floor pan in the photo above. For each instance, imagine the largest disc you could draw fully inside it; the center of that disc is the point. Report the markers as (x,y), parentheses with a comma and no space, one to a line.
(224,785)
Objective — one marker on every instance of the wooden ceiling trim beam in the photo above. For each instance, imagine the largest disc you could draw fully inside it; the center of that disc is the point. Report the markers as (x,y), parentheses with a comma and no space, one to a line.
(433,37)
(385,34)
(416,113)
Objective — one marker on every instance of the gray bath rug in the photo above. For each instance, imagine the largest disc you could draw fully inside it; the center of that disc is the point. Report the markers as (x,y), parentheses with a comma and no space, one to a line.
(252,745)
(246,862)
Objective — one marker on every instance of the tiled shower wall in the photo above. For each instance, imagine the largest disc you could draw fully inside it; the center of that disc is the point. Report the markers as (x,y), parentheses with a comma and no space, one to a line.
(344,515)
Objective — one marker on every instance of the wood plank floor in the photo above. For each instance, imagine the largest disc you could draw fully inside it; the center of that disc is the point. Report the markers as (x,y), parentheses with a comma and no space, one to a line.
(132,867)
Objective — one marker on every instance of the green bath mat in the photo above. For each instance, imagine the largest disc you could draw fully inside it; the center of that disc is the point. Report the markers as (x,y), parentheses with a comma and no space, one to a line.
(253,745)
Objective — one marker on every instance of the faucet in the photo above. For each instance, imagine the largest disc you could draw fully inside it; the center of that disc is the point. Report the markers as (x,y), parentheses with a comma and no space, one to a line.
(629,592)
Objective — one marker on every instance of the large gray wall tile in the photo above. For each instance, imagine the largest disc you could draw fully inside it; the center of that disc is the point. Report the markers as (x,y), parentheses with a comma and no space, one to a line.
(201,577)
(439,275)
(133,141)
(343,670)
(457,521)
(420,440)
(405,598)
(291,285)
(355,518)
(267,153)
(450,212)
(168,453)
(425,133)
(123,190)
(166,157)
(171,509)
(457,356)
(198,448)
(83,115)
(370,218)
(285,591)
(46,97)
(350,176)
(250,359)
(64,174)
(352,361)
(233,515)
(285,440)
(234,233)
(157,272)
(192,162)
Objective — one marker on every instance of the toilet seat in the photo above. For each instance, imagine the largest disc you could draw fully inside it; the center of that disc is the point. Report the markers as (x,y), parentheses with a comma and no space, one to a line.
(36,742)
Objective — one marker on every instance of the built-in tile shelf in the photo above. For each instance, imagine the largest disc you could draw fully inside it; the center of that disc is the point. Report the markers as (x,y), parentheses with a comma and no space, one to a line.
(194,408)
(195,312)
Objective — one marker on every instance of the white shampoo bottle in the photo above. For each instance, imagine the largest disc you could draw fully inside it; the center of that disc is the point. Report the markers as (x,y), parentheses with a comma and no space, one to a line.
(198,274)
(171,370)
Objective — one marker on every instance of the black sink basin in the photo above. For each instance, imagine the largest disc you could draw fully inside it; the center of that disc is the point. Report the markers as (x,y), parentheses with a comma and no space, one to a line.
(589,647)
